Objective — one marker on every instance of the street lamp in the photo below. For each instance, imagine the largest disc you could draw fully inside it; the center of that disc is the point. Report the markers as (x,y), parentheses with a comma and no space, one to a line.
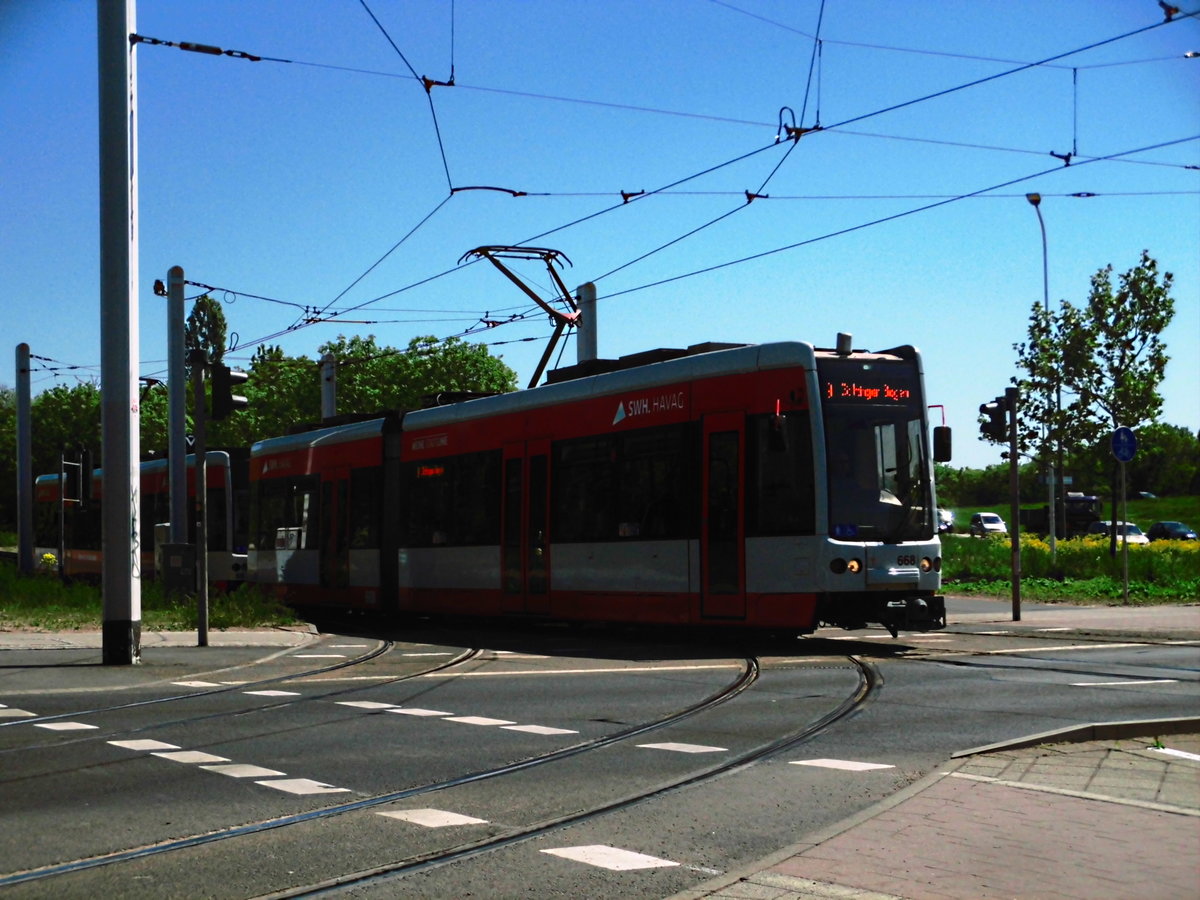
(1035,200)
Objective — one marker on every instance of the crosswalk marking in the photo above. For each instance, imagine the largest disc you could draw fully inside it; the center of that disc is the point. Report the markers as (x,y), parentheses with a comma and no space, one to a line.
(146,745)
(415,711)
(844,764)
(480,720)
(191,756)
(272,693)
(303,786)
(432,818)
(243,770)
(610,857)
(683,748)
(64,726)
(366,704)
(539,729)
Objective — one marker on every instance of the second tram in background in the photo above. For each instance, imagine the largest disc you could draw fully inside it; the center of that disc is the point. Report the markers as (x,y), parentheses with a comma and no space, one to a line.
(771,486)
(70,529)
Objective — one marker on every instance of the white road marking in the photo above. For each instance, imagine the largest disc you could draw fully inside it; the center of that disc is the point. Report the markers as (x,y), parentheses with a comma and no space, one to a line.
(303,786)
(146,745)
(1182,754)
(1004,631)
(64,726)
(8,713)
(318,656)
(1057,647)
(415,711)
(243,770)
(479,720)
(272,693)
(610,857)
(426,654)
(683,748)
(1119,683)
(366,704)
(192,756)
(195,684)
(348,646)
(844,764)
(1058,628)
(539,729)
(592,670)
(432,818)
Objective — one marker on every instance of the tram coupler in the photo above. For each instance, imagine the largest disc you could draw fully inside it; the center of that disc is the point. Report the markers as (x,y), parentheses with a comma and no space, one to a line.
(914,614)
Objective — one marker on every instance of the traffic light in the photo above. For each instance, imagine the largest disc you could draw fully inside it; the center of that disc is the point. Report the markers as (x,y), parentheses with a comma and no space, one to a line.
(996,424)
(224,401)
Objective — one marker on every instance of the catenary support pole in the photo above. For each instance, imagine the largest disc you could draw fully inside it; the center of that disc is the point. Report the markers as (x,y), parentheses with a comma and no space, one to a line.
(25,563)
(587,336)
(176,408)
(199,362)
(122,586)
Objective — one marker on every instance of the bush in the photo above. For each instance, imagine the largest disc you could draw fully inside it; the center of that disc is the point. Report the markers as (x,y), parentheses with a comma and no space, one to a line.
(1161,572)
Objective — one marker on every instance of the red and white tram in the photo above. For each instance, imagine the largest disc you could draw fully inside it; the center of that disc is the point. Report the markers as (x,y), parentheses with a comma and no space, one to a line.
(771,486)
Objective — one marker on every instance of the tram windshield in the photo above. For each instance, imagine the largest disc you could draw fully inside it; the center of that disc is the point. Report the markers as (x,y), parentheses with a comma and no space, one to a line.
(879,489)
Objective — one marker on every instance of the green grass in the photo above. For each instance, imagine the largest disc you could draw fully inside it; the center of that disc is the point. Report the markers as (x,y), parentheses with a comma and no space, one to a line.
(45,603)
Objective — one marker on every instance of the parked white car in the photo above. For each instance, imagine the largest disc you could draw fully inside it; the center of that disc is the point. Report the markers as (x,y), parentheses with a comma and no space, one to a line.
(985,523)
(1132,534)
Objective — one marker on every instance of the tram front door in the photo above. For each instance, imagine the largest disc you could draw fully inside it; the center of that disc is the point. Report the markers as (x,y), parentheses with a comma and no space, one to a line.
(722,531)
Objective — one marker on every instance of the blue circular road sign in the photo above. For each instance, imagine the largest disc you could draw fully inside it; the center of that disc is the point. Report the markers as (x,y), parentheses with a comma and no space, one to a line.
(1124,444)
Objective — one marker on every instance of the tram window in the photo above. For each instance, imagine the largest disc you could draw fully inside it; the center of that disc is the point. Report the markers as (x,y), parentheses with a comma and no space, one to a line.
(364,508)
(781,495)
(453,501)
(285,511)
(583,484)
(638,486)
(654,500)
(45,523)
(217,536)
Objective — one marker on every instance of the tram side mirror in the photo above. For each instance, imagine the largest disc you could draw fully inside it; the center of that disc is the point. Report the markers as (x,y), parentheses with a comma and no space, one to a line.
(778,438)
(941,443)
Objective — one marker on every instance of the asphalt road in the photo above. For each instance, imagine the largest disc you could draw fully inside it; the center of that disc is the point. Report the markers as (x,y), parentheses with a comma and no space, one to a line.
(549,763)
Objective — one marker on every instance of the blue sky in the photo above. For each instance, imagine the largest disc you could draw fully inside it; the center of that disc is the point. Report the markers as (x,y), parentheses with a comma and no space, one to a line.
(325,177)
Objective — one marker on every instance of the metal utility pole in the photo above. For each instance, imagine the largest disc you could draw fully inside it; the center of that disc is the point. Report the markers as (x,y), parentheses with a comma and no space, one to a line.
(1012,399)
(122,585)
(25,541)
(176,407)
(328,386)
(1035,200)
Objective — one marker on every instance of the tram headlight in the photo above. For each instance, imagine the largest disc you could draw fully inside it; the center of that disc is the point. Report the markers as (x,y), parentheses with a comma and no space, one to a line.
(840,566)
(927,564)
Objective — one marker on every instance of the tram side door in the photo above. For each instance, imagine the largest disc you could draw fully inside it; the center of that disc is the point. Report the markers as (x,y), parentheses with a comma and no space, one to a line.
(335,528)
(722,531)
(524,539)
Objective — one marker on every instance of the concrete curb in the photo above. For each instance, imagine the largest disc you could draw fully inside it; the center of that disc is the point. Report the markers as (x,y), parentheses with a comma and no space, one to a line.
(1096,731)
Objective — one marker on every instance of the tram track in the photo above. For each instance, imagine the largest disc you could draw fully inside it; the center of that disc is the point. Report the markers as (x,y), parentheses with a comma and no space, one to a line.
(869,681)
(748,674)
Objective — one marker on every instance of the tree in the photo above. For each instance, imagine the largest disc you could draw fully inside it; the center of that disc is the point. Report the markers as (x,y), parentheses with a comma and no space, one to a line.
(372,378)
(1093,368)
(205,330)
(1106,357)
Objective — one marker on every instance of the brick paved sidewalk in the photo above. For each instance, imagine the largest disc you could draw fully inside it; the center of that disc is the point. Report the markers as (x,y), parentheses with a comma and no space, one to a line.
(1095,820)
